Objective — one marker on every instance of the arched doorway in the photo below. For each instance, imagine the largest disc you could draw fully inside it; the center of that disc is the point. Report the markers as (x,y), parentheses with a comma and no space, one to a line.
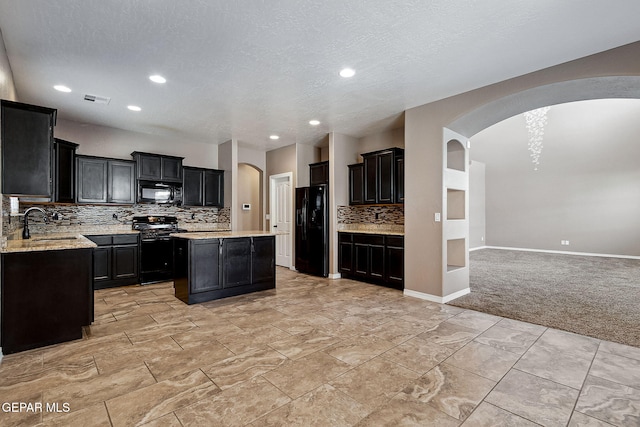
(489,114)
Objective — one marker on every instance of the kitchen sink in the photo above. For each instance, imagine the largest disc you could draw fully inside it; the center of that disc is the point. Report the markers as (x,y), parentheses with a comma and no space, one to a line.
(43,239)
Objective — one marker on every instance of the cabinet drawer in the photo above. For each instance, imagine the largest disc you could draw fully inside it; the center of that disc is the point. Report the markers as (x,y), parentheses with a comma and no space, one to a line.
(397,241)
(368,239)
(345,237)
(101,240)
(125,239)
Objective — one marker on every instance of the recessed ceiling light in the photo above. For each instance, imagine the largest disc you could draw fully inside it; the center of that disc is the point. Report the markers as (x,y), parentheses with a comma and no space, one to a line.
(274,137)
(347,72)
(62,88)
(157,79)
(314,122)
(134,108)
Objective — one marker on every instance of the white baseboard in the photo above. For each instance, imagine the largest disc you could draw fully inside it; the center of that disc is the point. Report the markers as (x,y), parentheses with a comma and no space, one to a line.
(335,276)
(562,252)
(478,248)
(435,298)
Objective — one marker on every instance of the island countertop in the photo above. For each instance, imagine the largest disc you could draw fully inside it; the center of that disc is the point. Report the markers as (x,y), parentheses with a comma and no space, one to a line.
(49,242)
(202,235)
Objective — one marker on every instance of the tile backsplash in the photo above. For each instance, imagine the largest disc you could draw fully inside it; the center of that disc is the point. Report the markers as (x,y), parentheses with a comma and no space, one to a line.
(388,217)
(107,215)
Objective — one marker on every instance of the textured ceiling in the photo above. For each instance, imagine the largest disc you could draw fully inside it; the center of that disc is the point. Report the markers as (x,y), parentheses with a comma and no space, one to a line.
(247,69)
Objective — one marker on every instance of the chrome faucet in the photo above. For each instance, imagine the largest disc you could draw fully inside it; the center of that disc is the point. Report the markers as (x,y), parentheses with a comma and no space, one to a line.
(25,230)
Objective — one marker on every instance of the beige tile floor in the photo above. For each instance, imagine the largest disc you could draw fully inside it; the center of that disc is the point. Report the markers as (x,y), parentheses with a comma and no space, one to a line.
(318,352)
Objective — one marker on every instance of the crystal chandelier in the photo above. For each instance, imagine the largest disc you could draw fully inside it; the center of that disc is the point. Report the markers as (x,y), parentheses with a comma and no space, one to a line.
(536,121)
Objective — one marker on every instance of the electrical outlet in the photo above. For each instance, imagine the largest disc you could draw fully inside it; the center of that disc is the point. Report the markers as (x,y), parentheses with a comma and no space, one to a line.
(437,217)
(566,242)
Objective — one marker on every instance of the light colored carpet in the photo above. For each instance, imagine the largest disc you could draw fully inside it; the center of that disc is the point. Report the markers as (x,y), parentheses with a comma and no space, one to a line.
(593,296)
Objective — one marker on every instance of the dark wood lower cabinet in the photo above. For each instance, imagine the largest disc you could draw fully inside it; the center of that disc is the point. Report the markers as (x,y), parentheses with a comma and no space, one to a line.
(115,260)
(47,297)
(208,269)
(372,258)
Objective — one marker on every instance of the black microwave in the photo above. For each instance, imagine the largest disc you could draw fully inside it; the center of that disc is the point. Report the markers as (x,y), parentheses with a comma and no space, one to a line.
(159,192)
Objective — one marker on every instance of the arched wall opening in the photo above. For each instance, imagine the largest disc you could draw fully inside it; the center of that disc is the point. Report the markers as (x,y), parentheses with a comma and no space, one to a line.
(582,192)
(607,87)
(610,74)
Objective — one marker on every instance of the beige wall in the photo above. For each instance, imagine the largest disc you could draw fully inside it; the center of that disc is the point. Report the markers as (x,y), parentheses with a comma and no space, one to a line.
(343,151)
(95,140)
(381,141)
(477,209)
(305,155)
(7,87)
(424,153)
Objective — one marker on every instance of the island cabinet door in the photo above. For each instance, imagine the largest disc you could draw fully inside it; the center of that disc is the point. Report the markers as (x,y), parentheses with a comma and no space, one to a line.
(263,259)
(236,262)
(205,266)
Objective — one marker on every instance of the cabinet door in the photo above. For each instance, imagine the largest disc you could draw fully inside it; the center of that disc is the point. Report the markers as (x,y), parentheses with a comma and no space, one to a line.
(122,180)
(376,262)
(65,168)
(263,259)
(171,169)
(91,181)
(394,258)
(319,173)
(400,180)
(356,184)
(385,177)
(149,167)
(236,261)
(345,253)
(125,262)
(370,179)
(205,266)
(214,188)
(192,187)
(102,264)
(27,149)
(361,259)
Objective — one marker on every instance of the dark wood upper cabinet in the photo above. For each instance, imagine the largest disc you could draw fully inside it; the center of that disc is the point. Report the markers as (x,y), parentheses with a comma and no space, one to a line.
(192,187)
(214,187)
(203,187)
(91,180)
(103,180)
(319,173)
(122,177)
(64,171)
(382,178)
(27,149)
(356,184)
(400,179)
(156,167)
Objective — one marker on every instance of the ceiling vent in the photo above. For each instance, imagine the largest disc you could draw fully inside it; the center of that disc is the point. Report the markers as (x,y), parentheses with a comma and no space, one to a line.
(97,99)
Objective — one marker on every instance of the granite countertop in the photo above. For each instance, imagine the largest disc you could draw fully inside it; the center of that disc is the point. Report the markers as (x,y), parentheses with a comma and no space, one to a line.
(380,232)
(72,238)
(201,235)
(48,242)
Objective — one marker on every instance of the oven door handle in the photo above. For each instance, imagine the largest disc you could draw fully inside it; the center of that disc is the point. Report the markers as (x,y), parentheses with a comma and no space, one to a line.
(159,239)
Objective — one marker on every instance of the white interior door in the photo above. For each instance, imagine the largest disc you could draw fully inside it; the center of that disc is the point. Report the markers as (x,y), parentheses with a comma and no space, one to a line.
(281,207)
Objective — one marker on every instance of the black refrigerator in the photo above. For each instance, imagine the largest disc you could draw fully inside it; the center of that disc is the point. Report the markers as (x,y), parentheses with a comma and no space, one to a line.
(312,230)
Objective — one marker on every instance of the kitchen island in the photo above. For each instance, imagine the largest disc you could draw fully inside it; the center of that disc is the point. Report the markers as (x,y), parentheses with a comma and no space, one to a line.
(46,291)
(213,265)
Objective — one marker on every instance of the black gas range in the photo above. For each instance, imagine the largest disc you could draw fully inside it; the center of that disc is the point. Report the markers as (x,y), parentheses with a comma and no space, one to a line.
(156,247)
